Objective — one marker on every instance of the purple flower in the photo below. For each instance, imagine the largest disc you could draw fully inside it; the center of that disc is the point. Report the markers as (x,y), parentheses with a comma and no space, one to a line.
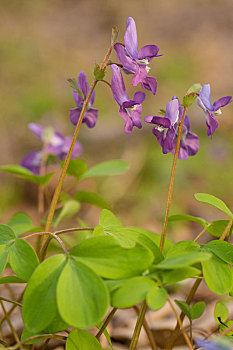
(210,345)
(164,128)
(134,61)
(91,115)
(210,110)
(189,142)
(130,110)
(55,144)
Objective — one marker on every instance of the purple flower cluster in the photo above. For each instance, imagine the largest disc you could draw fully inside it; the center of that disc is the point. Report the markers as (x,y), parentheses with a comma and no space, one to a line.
(55,144)
(136,62)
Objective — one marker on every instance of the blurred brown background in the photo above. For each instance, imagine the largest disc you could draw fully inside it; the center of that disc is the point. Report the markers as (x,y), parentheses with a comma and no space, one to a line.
(42,43)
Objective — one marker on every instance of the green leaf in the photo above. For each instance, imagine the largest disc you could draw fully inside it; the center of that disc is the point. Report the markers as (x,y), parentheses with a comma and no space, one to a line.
(183,247)
(222,249)
(184,308)
(183,259)
(99,73)
(146,241)
(217,275)
(214,201)
(91,198)
(182,217)
(11,279)
(26,174)
(132,292)
(26,334)
(74,84)
(69,209)
(230,333)
(107,218)
(7,236)
(82,296)
(111,167)
(156,298)
(194,88)
(82,340)
(189,99)
(4,251)
(216,228)
(221,312)
(155,237)
(110,260)
(180,274)
(20,223)
(23,259)
(113,284)
(77,167)
(197,309)
(127,238)
(39,306)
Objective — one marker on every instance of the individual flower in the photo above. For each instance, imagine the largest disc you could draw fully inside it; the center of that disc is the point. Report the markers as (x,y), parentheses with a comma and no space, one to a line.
(189,142)
(134,61)
(130,110)
(164,129)
(211,345)
(54,144)
(211,111)
(91,114)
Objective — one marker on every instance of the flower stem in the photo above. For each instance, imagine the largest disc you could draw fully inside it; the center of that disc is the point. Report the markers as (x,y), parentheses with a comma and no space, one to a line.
(226,231)
(138,326)
(164,232)
(69,154)
(106,322)
(11,326)
(200,234)
(147,330)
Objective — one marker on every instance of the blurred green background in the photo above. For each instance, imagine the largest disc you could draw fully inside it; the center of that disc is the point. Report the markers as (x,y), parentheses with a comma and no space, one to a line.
(42,43)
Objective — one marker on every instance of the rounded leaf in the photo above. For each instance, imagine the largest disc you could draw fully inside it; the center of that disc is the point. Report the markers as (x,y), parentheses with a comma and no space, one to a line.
(39,305)
(7,235)
(222,249)
(23,259)
(82,296)
(221,312)
(197,309)
(82,340)
(156,298)
(132,292)
(110,260)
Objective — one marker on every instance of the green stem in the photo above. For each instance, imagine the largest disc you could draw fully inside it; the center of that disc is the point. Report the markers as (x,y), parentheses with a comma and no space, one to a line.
(11,301)
(200,234)
(69,154)
(106,322)
(225,232)
(11,326)
(147,330)
(138,326)
(164,232)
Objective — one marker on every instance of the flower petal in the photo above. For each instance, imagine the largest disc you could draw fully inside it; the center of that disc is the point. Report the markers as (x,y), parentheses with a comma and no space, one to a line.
(150,83)
(140,74)
(74,115)
(36,129)
(32,162)
(160,121)
(222,102)
(64,150)
(192,143)
(90,117)
(92,99)
(77,99)
(83,83)
(139,97)
(118,86)
(165,139)
(132,118)
(211,123)
(204,95)
(130,38)
(172,111)
(148,51)
(129,65)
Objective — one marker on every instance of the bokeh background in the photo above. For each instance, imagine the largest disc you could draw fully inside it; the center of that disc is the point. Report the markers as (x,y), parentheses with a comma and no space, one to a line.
(42,43)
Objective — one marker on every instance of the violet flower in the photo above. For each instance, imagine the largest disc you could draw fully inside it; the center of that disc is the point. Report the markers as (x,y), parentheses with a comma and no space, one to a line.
(55,144)
(189,142)
(134,61)
(130,110)
(164,129)
(211,345)
(211,111)
(91,115)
